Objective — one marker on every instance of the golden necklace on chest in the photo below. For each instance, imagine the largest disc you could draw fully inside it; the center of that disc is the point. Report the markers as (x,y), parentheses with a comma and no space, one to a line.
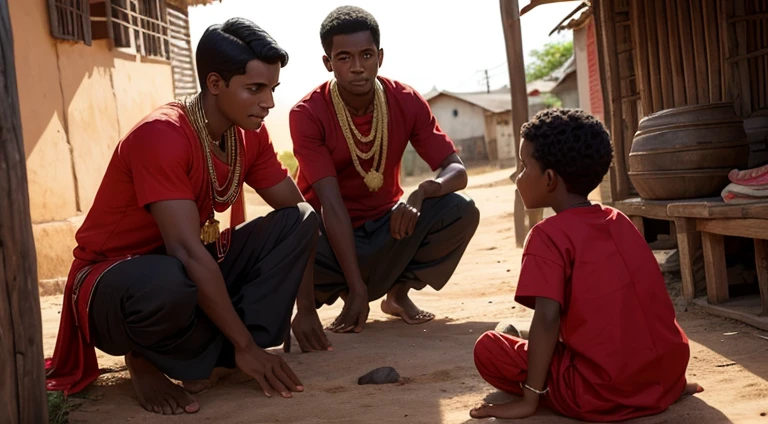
(222,193)
(374,178)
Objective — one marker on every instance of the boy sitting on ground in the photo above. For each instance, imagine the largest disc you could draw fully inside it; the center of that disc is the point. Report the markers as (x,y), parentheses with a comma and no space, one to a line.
(604,344)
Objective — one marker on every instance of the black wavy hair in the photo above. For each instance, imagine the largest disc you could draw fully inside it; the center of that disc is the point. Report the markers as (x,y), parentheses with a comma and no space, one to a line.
(347,20)
(572,143)
(226,49)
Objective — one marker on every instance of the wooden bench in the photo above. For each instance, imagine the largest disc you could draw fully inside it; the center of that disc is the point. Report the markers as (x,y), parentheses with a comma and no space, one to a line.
(636,209)
(704,223)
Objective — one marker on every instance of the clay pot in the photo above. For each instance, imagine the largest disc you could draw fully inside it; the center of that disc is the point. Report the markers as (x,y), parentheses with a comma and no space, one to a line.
(683,184)
(708,140)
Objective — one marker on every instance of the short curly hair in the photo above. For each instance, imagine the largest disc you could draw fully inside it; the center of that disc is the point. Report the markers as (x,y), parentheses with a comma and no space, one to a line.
(572,143)
(346,20)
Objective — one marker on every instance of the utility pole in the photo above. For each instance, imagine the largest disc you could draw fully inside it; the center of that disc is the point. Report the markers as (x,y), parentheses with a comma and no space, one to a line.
(513,38)
(487,82)
(22,375)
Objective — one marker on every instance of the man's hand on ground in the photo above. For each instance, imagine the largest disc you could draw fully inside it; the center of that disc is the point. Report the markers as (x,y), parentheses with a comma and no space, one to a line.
(309,332)
(354,314)
(271,372)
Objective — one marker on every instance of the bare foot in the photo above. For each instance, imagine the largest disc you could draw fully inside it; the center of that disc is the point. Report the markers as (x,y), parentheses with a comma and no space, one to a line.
(691,389)
(155,392)
(197,387)
(515,409)
(400,305)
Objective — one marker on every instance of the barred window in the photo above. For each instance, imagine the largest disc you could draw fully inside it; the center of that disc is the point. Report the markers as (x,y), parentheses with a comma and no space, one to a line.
(70,20)
(139,25)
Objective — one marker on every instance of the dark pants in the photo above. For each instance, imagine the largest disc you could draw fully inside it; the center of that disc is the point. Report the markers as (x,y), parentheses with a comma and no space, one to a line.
(429,256)
(148,304)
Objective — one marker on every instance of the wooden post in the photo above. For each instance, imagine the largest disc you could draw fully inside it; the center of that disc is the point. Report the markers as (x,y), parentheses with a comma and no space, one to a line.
(639,224)
(714,266)
(513,39)
(688,245)
(22,375)
(605,25)
(761,262)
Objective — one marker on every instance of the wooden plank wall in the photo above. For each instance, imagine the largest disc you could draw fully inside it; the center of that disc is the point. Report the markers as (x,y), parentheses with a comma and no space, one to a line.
(621,93)
(747,54)
(182,57)
(678,46)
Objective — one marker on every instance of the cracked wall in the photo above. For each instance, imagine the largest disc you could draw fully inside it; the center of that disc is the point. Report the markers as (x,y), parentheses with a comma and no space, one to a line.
(76,103)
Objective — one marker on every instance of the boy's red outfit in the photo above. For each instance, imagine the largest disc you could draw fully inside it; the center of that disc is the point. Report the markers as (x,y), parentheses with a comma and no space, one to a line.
(622,354)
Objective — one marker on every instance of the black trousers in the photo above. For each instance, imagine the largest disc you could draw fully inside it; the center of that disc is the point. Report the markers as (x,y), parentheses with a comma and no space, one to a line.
(148,304)
(429,256)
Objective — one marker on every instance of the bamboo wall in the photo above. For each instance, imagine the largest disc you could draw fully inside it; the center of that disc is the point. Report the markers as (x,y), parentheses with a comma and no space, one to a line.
(661,54)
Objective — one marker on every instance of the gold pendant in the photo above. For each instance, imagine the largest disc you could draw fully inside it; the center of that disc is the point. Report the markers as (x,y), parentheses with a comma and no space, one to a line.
(374,180)
(210,231)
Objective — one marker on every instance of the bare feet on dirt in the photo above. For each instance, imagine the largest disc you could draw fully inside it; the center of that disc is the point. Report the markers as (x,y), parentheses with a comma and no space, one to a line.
(155,392)
(691,389)
(400,305)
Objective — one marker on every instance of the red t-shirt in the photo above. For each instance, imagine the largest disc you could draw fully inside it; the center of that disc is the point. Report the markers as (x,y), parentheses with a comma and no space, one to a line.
(162,159)
(322,151)
(625,351)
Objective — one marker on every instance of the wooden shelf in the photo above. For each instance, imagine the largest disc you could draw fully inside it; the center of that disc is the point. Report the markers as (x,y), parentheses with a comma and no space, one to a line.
(744,309)
(653,209)
(707,208)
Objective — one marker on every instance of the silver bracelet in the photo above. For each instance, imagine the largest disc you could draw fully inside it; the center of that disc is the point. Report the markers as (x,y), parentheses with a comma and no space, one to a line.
(538,392)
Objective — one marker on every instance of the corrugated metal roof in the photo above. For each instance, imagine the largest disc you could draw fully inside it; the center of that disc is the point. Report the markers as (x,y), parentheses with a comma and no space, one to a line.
(188,3)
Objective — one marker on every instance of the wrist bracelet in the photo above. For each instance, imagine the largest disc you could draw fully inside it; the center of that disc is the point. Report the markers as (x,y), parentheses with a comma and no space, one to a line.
(538,392)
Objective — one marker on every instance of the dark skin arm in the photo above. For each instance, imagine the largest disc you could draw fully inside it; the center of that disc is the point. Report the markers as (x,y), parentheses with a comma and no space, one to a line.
(339,229)
(306,324)
(544,333)
(179,223)
(543,337)
(451,178)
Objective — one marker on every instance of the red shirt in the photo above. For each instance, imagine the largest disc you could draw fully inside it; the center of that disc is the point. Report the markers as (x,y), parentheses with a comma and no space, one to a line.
(160,159)
(625,353)
(322,151)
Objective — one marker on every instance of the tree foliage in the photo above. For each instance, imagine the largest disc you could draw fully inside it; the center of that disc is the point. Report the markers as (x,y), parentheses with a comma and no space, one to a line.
(547,59)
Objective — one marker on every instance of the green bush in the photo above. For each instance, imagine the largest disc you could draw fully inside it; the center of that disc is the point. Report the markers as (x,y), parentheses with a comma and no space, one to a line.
(289,161)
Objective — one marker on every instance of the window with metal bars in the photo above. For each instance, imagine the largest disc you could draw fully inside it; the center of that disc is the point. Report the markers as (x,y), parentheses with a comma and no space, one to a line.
(70,20)
(140,25)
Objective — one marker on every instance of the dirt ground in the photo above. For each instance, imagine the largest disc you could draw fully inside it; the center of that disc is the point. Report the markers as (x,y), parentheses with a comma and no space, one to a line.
(728,358)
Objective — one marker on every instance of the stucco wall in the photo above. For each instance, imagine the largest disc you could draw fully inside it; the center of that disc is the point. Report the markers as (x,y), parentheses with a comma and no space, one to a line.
(469,121)
(582,68)
(76,102)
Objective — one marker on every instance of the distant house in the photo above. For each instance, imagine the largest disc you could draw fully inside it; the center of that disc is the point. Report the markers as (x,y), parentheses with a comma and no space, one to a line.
(480,123)
(567,87)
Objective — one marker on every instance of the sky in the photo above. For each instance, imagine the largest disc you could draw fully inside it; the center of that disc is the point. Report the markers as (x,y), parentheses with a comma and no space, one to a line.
(427,44)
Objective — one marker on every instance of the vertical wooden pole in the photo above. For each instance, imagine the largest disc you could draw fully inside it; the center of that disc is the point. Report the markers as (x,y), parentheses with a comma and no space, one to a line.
(761,262)
(605,25)
(688,245)
(22,375)
(513,39)
(714,266)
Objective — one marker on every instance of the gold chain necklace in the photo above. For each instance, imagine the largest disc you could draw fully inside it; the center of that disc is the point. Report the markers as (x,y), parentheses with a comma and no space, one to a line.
(194,110)
(374,179)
